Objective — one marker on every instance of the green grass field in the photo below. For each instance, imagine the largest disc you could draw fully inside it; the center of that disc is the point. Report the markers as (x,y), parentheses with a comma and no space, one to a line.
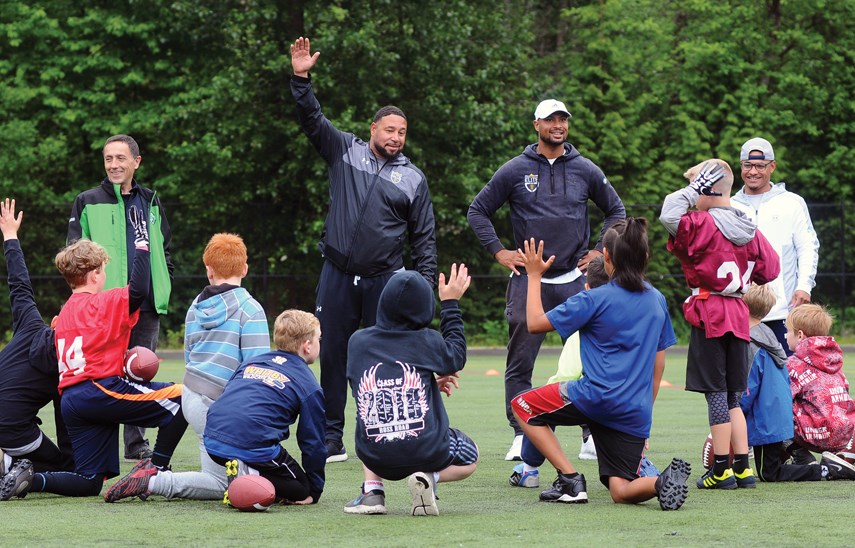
(482,510)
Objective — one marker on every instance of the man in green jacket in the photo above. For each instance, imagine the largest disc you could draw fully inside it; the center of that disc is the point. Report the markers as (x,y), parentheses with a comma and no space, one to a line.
(101,214)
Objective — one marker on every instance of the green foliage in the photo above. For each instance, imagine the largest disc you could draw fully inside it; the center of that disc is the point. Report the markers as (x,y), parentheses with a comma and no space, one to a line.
(654,86)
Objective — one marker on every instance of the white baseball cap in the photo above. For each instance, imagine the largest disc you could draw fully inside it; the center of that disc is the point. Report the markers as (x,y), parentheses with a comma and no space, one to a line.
(550,106)
(757,143)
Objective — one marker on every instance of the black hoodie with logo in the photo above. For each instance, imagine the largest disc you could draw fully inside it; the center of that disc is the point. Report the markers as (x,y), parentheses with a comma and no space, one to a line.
(401,424)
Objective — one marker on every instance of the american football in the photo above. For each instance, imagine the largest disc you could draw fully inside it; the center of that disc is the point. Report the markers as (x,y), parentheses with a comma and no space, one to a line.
(251,493)
(141,364)
(708,453)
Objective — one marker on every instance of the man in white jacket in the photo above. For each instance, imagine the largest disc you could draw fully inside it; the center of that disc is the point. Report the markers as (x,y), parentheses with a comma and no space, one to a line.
(782,216)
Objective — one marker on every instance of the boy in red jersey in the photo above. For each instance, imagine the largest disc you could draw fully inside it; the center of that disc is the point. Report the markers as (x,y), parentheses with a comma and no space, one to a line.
(92,334)
(721,252)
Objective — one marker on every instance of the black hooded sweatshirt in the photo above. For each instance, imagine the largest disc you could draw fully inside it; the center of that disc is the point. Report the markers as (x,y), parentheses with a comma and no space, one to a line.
(401,424)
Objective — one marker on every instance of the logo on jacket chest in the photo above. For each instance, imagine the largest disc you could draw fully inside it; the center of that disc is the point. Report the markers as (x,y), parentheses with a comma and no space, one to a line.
(396,177)
(530,182)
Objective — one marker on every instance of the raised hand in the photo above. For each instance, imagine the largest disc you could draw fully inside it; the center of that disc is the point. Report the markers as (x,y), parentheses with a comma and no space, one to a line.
(302,60)
(137,219)
(533,258)
(9,222)
(458,283)
(706,178)
(447,383)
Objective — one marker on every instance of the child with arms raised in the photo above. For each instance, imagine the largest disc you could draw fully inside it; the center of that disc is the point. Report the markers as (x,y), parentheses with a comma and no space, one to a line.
(397,371)
(625,328)
(92,334)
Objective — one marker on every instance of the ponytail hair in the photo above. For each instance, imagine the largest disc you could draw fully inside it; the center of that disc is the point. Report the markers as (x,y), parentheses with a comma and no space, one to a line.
(626,241)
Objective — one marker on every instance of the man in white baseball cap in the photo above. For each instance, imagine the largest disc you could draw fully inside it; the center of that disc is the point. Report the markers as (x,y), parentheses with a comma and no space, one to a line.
(548,188)
(782,216)
(550,106)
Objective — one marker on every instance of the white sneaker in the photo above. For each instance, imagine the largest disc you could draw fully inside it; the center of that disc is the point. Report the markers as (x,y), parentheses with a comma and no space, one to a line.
(588,450)
(515,452)
(424,498)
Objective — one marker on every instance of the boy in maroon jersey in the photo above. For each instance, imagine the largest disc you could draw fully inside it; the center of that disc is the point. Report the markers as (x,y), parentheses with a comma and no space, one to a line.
(92,334)
(721,252)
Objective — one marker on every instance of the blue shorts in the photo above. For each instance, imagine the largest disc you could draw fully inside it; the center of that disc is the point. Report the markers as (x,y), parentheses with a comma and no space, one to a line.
(461,448)
(93,411)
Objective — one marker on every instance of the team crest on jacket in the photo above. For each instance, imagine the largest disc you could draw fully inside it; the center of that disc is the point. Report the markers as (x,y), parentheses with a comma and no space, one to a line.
(530,182)
(392,408)
(396,177)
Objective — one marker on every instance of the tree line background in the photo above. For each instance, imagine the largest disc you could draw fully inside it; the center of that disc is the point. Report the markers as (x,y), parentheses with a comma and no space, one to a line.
(654,87)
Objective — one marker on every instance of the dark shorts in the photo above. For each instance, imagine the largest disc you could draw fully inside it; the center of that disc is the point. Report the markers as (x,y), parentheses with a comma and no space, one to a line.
(618,454)
(93,411)
(717,365)
(462,451)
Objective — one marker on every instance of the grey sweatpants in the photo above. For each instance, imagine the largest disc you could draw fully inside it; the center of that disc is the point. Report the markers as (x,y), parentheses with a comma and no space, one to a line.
(210,483)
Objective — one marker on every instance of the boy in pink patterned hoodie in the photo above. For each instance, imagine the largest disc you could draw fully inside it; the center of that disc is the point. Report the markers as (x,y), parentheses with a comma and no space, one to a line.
(823,410)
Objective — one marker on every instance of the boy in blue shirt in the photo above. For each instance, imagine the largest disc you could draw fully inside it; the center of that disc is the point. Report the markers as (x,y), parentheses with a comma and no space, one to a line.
(261,402)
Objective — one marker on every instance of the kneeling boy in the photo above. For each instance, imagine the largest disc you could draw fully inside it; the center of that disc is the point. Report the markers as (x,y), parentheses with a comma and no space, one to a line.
(260,403)
(397,370)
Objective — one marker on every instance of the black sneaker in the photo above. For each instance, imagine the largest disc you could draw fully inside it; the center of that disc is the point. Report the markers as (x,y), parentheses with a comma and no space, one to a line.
(838,468)
(17,481)
(142,453)
(671,485)
(566,489)
(336,452)
(800,455)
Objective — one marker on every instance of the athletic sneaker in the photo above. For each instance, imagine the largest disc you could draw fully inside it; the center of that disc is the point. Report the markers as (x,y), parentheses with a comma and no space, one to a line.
(800,455)
(647,469)
(711,481)
(142,453)
(838,468)
(231,474)
(134,483)
(566,489)
(524,479)
(17,482)
(588,450)
(336,452)
(671,487)
(745,479)
(372,502)
(424,498)
(515,452)
(2,464)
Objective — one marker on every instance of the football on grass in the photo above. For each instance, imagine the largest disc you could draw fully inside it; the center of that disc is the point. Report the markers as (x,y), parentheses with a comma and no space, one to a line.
(251,493)
(141,364)
(708,453)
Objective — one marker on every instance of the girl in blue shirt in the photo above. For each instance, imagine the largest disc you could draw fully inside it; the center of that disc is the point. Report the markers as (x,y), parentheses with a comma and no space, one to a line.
(624,329)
